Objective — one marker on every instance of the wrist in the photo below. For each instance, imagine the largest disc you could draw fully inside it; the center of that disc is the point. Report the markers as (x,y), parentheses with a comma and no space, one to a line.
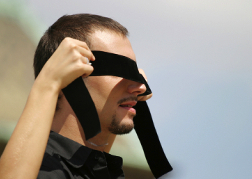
(44,85)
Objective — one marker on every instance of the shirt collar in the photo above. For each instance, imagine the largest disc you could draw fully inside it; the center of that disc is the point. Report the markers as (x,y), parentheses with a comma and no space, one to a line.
(74,153)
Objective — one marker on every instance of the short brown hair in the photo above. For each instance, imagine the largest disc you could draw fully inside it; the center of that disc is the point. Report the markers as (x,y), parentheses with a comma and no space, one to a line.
(78,26)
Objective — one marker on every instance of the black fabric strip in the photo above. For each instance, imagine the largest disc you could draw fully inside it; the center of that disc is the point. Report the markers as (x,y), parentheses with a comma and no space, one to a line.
(148,137)
(82,104)
(117,65)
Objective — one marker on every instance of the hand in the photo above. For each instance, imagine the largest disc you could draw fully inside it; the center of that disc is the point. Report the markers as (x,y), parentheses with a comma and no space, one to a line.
(67,63)
(32,130)
(143,98)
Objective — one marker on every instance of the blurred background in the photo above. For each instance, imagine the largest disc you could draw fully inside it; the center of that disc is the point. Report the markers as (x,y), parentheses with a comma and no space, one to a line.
(197,57)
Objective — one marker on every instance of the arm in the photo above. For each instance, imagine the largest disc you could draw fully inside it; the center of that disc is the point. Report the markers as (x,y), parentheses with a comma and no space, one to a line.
(24,152)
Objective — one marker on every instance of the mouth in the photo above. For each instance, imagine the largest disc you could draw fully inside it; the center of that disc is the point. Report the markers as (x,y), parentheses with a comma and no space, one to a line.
(129,106)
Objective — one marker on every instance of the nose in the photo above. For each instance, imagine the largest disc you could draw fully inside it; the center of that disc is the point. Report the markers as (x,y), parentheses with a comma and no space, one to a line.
(136,88)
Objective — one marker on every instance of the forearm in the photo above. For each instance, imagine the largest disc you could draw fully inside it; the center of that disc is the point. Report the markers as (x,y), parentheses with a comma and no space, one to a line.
(24,152)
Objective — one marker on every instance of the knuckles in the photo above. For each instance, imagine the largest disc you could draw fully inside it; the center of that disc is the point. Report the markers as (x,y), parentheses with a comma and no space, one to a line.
(68,62)
(70,47)
(71,43)
(76,56)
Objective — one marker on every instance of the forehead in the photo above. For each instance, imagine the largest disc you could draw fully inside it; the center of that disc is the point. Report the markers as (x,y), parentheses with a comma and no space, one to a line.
(112,42)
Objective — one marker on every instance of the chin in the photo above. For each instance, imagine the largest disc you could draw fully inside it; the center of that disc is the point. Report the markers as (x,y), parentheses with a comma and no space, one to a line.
(124,126)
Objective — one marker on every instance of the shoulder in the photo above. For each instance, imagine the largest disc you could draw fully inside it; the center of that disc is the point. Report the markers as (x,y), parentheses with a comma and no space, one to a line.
(51,168)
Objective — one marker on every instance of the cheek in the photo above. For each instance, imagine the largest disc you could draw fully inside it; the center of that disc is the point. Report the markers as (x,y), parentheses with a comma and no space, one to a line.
(100,89)
(96,90)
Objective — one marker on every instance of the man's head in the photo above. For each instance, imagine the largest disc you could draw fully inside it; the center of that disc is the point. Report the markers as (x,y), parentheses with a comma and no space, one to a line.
(78,26)
(113,96)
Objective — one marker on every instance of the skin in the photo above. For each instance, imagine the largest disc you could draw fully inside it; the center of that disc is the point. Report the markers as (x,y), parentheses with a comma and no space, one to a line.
(24,152)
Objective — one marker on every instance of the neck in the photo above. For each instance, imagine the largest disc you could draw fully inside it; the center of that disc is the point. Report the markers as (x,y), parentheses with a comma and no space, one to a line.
(69,126)
(100,142)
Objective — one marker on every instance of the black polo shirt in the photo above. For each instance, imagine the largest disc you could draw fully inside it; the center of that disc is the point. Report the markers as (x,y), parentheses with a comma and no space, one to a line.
(67,159)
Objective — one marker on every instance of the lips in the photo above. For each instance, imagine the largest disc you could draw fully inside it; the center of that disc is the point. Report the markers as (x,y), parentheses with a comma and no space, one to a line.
(129,106)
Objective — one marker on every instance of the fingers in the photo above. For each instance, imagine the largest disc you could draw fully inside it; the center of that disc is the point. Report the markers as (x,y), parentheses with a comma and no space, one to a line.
(86,67)
(79,50)
(82,48)
(78,56)
(85,52)
(87,56)
(85,60)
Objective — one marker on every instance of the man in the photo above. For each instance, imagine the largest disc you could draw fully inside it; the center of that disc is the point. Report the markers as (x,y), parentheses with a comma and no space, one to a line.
(114,97)
(60,58)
